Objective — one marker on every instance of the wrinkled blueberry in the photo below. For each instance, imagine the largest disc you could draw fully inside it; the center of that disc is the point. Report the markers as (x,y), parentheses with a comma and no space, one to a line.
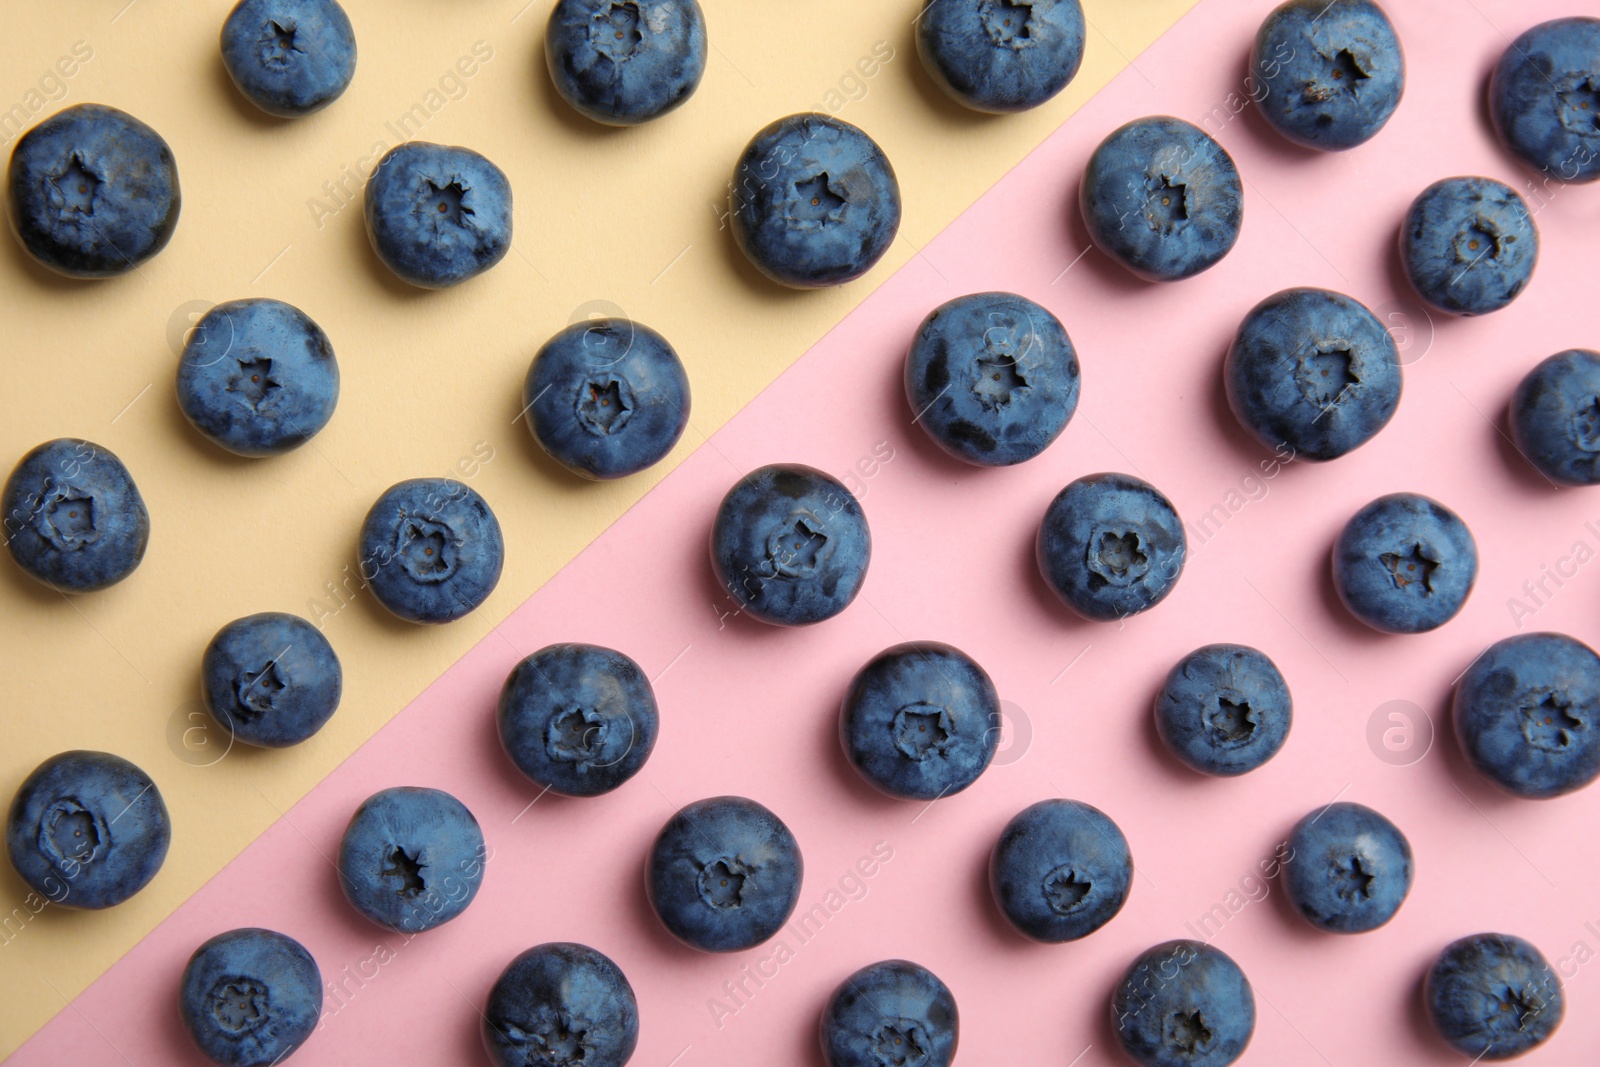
(1555,417)
(271,679)
(1111,546)
(623,62)
(251,997)
(73,517)
(431,550)
(1331,71)
(1404,564)
(893,1013)
(1493,996)
(1544,98)
(289,57)
(1351,868)
(1224,709)
(1469,245)
(564,1005)
(438,215)
(1061,870)
(411,858)
(1183,1004)
(1001,55)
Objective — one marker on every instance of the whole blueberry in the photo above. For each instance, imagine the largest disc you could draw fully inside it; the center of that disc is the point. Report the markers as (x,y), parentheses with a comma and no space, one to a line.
(271,679)
(623,62)
(1469,245)
(790,544)
(251,997)
(561,1004)
(289,57)
(1001,55)
(578,719)
(1555,417)
(1162,198)
(87,830)
(921,720)
(1351,869)
(894,1013)
(1493,996)
(73,517)
(814,201)
(1526,712)
(431,550)
(1314,372)
(1183,1004)
(1111,546)
(92,192)
(1224,710)
(992,378)
(1061,870)
(411,858)
(607,398)
(1544,98)
(1331,71)
(438,215)
(724,874)
(258,377)
(1404,564)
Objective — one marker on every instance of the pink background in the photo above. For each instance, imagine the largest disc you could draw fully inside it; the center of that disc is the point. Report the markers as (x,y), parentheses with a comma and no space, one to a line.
(750,709)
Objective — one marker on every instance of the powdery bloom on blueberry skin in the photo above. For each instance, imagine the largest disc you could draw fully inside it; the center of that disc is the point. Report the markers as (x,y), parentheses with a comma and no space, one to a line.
(1493,996)
(624,62)
(893,1013)
(561,1004)
(1060,870)
(1183,1004)
(1001,55)
(1111,545)
(1351,869)
(438,215)
(1405,564)
(1224,709)
(1544,98)
(250,997)
(289,57)
(74,519)
(411,858)
(1469,245)
(431,550)
(1555,417)
(1332,71)
(271,679)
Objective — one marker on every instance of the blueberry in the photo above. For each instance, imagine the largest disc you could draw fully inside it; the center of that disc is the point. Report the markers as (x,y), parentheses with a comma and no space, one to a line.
(1351,869)
(561,1004)
(1469,245)
(251,997)
(1224,710)
(258,377)
(1526,710)
(1493,996)
(438,215)
(1404,564)
(1312,371)
(271,679)
(790,544)
(992,378)
(431,550)
(1331,71)
(87,830)
(1184,1004)
(92,192)
(578,719)
(1162,198)
(1111,546)
(623,62)
(607,398)
(1544,98)
(289,57)
(814,201)
(1061,870)
(724,874)
(1555,417)
(411,858)
(1001,55)
(73,517)
(893,1013)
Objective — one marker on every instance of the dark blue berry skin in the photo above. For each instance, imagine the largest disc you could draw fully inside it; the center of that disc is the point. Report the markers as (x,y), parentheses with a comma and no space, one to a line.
(578,719)
(1351,869)
(608,398)
(1224,710)
(1526,712)
(1162,198)
(815,202)
(438,215)
(1183,1004)
(431,550)
(891,1012)
(790,545)
(1111,546)
(562,1004)
(271,679)
(73,517)
(1544,98)
(92,192)
(411,858)
(724,874)
(1555,417)
(1312,372)
(1060,871)
(1469,245)
(1405,564)
(999,55)
(1493,996)
(87,830)
(1331,71)
(258,377)
(992,377)
(623,62)
(251,997)
(289,57)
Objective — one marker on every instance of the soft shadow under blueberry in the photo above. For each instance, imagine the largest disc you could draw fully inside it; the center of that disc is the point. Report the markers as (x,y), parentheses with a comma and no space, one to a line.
(1089,258)
(1040,593)
(241,107)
